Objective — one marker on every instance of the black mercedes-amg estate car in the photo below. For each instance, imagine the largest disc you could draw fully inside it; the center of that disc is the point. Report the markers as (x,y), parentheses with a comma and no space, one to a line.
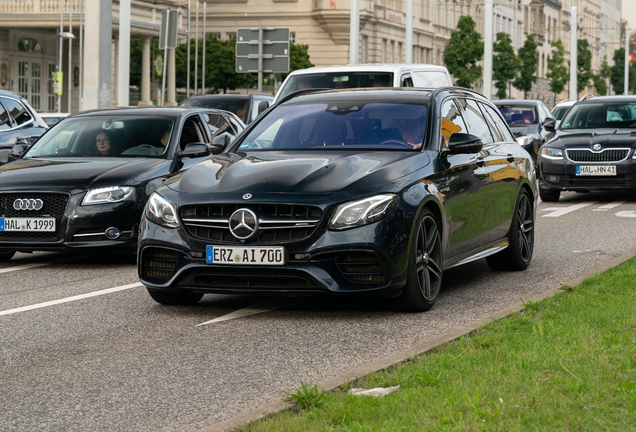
(593,148)
(374,191)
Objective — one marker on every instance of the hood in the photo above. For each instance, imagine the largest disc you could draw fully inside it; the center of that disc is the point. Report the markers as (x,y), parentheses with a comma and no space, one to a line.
(298,172)
(587,138)
(72,173)
(522,130)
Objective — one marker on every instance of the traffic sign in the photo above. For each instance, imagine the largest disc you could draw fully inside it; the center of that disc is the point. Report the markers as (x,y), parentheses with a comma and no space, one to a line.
(262,50)
(168,33)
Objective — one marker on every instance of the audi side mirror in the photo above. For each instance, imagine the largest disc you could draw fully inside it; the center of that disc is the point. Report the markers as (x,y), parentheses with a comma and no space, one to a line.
(194,150)
(464,143)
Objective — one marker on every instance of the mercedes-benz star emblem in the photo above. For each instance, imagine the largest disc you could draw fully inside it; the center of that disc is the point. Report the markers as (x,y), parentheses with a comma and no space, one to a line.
(243,223)
(247,196)
(596,147)
(28,204)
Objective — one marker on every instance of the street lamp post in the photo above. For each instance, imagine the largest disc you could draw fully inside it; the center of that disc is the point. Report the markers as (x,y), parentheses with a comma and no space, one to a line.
(61,35)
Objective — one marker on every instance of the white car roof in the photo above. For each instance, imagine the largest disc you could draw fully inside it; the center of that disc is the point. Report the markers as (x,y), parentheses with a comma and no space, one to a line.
(369,67)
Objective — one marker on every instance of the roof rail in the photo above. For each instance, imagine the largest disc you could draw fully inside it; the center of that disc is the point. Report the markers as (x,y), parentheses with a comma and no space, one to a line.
(589,95)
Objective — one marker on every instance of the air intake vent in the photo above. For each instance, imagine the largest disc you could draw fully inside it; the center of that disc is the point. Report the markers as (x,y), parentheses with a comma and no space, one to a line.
(158,263)
(360,267)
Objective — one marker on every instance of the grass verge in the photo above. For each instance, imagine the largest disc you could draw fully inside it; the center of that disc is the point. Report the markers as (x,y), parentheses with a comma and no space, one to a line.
(567,362)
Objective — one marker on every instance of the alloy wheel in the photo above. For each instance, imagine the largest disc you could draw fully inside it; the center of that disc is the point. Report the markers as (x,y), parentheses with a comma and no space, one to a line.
(428,259)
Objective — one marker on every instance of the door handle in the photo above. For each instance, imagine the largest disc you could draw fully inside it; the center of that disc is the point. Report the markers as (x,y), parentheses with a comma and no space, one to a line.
(510,158)
(480,162)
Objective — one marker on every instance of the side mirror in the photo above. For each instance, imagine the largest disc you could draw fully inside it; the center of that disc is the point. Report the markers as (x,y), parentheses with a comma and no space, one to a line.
(464,143)
(19,148)
(549,125)
(194,150)
(262,106)
(219,143)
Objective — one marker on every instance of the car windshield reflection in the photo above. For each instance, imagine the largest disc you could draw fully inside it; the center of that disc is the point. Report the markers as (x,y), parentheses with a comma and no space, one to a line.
(106,136)
(600,116)
(342,125)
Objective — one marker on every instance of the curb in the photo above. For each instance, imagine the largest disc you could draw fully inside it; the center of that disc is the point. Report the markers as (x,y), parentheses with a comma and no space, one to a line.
(333,383)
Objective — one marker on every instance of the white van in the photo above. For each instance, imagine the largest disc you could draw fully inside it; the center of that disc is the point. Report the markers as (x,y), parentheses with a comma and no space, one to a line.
(365,75)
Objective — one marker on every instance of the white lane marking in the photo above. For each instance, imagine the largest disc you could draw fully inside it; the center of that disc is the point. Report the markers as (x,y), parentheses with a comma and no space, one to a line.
(39,264)
(626,213)
(560,211)
(267,305)
(70,299)
(610,206)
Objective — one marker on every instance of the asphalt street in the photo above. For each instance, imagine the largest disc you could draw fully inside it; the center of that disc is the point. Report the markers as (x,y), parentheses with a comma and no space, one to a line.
(83,346)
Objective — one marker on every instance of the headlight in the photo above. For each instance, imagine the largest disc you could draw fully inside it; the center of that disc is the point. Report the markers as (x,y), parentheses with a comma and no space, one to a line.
(525,140)
(363,212)
(551,153)
(108,195)
(161,211)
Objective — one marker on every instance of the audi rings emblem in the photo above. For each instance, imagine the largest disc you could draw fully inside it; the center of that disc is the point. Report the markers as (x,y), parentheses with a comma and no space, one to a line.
(28,204)
(243,223)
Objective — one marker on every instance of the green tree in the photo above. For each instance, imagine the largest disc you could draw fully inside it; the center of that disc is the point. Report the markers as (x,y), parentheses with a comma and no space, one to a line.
(584,65)
(617,72)
(557,69)
(529,61)
(504,63)
(600,79)
(462,52)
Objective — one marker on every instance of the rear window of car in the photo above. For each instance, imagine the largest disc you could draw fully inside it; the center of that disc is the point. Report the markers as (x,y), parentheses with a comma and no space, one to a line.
(336,80)
(517,115)
(600,115)
(341,125)
(19,113)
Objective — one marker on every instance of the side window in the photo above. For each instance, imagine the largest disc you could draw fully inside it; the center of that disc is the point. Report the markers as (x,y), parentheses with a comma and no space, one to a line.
(406,80)
(542,114)
(5,122)
(476,122)
(17,111)
(190,133)
(548,114)
(502,126)
(452,121)
(496,133)
(218,125)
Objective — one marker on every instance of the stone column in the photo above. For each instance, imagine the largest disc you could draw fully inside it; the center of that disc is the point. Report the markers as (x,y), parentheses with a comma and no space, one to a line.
(171,99)
(114,101)
(145,73)
(97,53)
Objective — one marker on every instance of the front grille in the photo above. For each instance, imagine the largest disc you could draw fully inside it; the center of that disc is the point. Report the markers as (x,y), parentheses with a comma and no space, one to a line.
(606,155)
(360,267)
(596,181)
(54,206)
(267,279)
(158,263)
(278,223)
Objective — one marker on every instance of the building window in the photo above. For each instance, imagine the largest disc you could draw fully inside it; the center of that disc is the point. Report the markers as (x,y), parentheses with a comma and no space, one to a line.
(399,53)
(383,51)
(51,98)
(216,35)
(230,35)
(363,50)
(391,50)
(292,37)
(29,45)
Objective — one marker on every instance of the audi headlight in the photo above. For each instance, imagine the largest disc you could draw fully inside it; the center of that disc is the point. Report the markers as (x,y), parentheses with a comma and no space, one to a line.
(525,140)
(366,211)
(108,195)
(551,153)
(161,211)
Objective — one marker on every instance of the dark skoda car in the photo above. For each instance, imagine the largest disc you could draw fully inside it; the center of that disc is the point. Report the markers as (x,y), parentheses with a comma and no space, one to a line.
(360,191)
(84,184)
(593,149)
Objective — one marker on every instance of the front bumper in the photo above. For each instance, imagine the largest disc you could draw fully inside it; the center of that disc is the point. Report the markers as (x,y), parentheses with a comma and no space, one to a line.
(370,259)
(77,227)
(560,175)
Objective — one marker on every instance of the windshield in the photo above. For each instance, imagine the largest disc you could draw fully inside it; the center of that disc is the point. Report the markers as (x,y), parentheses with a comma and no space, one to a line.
(235,105)
(600,115)
(336,80)
(559,112)
(340,125)
(517,115)
(106,136)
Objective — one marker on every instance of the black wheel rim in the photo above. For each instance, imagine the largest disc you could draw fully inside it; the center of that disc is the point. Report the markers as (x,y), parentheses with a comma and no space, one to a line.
(525,228)
(429,259)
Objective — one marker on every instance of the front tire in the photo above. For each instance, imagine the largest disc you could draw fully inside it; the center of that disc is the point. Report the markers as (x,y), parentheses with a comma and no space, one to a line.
(6,256)
(174,298)
(549,196)
(424,278)
(518,254)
